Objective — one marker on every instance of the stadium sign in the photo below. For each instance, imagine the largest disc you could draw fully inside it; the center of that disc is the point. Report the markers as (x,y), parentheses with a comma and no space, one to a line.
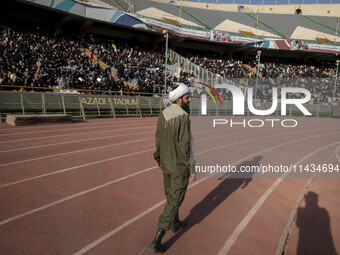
(106,101)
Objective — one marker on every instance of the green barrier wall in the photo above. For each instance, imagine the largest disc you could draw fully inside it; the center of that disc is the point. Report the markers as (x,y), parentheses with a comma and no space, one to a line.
(104,106)
(79,106)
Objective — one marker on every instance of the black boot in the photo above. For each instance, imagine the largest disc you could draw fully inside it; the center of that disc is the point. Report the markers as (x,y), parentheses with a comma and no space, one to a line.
(156,245)
(177,225)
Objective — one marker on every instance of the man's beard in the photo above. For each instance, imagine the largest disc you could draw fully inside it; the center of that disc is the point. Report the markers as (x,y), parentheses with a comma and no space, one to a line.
(185,107)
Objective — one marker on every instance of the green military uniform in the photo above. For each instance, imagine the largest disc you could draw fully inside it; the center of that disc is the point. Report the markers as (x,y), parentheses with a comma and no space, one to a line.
(173,154)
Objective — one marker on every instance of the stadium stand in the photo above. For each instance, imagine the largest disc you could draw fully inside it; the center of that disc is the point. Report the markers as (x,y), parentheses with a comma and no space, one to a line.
(328,22)
(101,3)
(123,5)
(267,2)
(38,58)
(287,23)
(235,27)
(161,15)
(303,33)
(282,25)
(210,17)
(175,10)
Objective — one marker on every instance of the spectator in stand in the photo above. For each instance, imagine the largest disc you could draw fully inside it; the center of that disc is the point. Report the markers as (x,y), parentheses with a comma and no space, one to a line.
(36,58)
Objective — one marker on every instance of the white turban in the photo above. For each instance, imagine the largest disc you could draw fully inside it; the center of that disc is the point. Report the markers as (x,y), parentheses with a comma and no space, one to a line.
(180,91)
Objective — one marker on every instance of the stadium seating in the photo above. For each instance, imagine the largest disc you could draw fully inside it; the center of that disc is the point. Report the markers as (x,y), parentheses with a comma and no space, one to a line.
(235,27)
(161,15)
(102,3)
(303,33)
(282,25)
(68,68)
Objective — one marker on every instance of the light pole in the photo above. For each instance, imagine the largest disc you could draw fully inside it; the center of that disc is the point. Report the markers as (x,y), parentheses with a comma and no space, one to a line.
(166,57)
(336,77)
(258,56)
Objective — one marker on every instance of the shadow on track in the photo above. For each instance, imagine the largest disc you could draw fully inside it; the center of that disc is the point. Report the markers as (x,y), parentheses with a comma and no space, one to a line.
(314,228)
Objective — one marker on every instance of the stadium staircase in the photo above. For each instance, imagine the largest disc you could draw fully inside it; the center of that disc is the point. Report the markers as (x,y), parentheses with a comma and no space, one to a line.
(103,66)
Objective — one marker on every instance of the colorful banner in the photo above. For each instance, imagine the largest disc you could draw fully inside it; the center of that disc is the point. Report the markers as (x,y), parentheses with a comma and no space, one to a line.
(294,45)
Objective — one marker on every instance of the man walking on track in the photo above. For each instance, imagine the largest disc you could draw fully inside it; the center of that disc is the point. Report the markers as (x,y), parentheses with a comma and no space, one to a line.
(173,155)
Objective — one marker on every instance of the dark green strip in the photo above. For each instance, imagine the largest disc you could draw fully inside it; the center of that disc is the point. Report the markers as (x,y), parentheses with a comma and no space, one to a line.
(273,29)
(51,4)
(317,22)
(192,16)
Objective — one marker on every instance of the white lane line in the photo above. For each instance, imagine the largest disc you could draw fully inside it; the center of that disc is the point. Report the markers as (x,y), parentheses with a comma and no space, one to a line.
(72,152)
(81,133)
(74,141)
(120,179)
(66,153)
(63,130)
(116,230)
(134,219)
(73,196)
(289,228)
(199,140)
(112,121)
(254,139)
(337,153)
(96,132)
(236,233)
(75,167)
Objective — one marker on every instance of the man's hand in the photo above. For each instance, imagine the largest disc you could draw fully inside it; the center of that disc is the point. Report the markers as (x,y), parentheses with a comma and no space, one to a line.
(193,177)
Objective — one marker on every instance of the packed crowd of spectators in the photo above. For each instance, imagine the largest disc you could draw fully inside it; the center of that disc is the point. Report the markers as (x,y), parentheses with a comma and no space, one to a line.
(41,59)
(319,80)
(38,58)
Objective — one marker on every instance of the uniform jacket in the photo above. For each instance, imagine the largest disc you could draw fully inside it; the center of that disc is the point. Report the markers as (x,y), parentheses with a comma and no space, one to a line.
(173,141)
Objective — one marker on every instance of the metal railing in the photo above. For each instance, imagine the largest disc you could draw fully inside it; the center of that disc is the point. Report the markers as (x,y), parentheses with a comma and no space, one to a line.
(125,5)
(202,74)
(81,106)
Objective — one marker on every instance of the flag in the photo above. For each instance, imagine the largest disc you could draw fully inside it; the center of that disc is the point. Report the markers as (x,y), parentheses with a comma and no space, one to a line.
(114,47)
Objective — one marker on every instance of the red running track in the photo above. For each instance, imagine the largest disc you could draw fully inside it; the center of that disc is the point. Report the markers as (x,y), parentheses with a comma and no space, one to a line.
(92,187)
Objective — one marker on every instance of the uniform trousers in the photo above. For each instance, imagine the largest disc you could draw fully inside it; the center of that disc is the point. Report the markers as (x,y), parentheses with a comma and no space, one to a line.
(175,188)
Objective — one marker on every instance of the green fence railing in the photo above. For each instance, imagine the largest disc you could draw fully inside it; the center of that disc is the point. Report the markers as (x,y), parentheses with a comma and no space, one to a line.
(80,106)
